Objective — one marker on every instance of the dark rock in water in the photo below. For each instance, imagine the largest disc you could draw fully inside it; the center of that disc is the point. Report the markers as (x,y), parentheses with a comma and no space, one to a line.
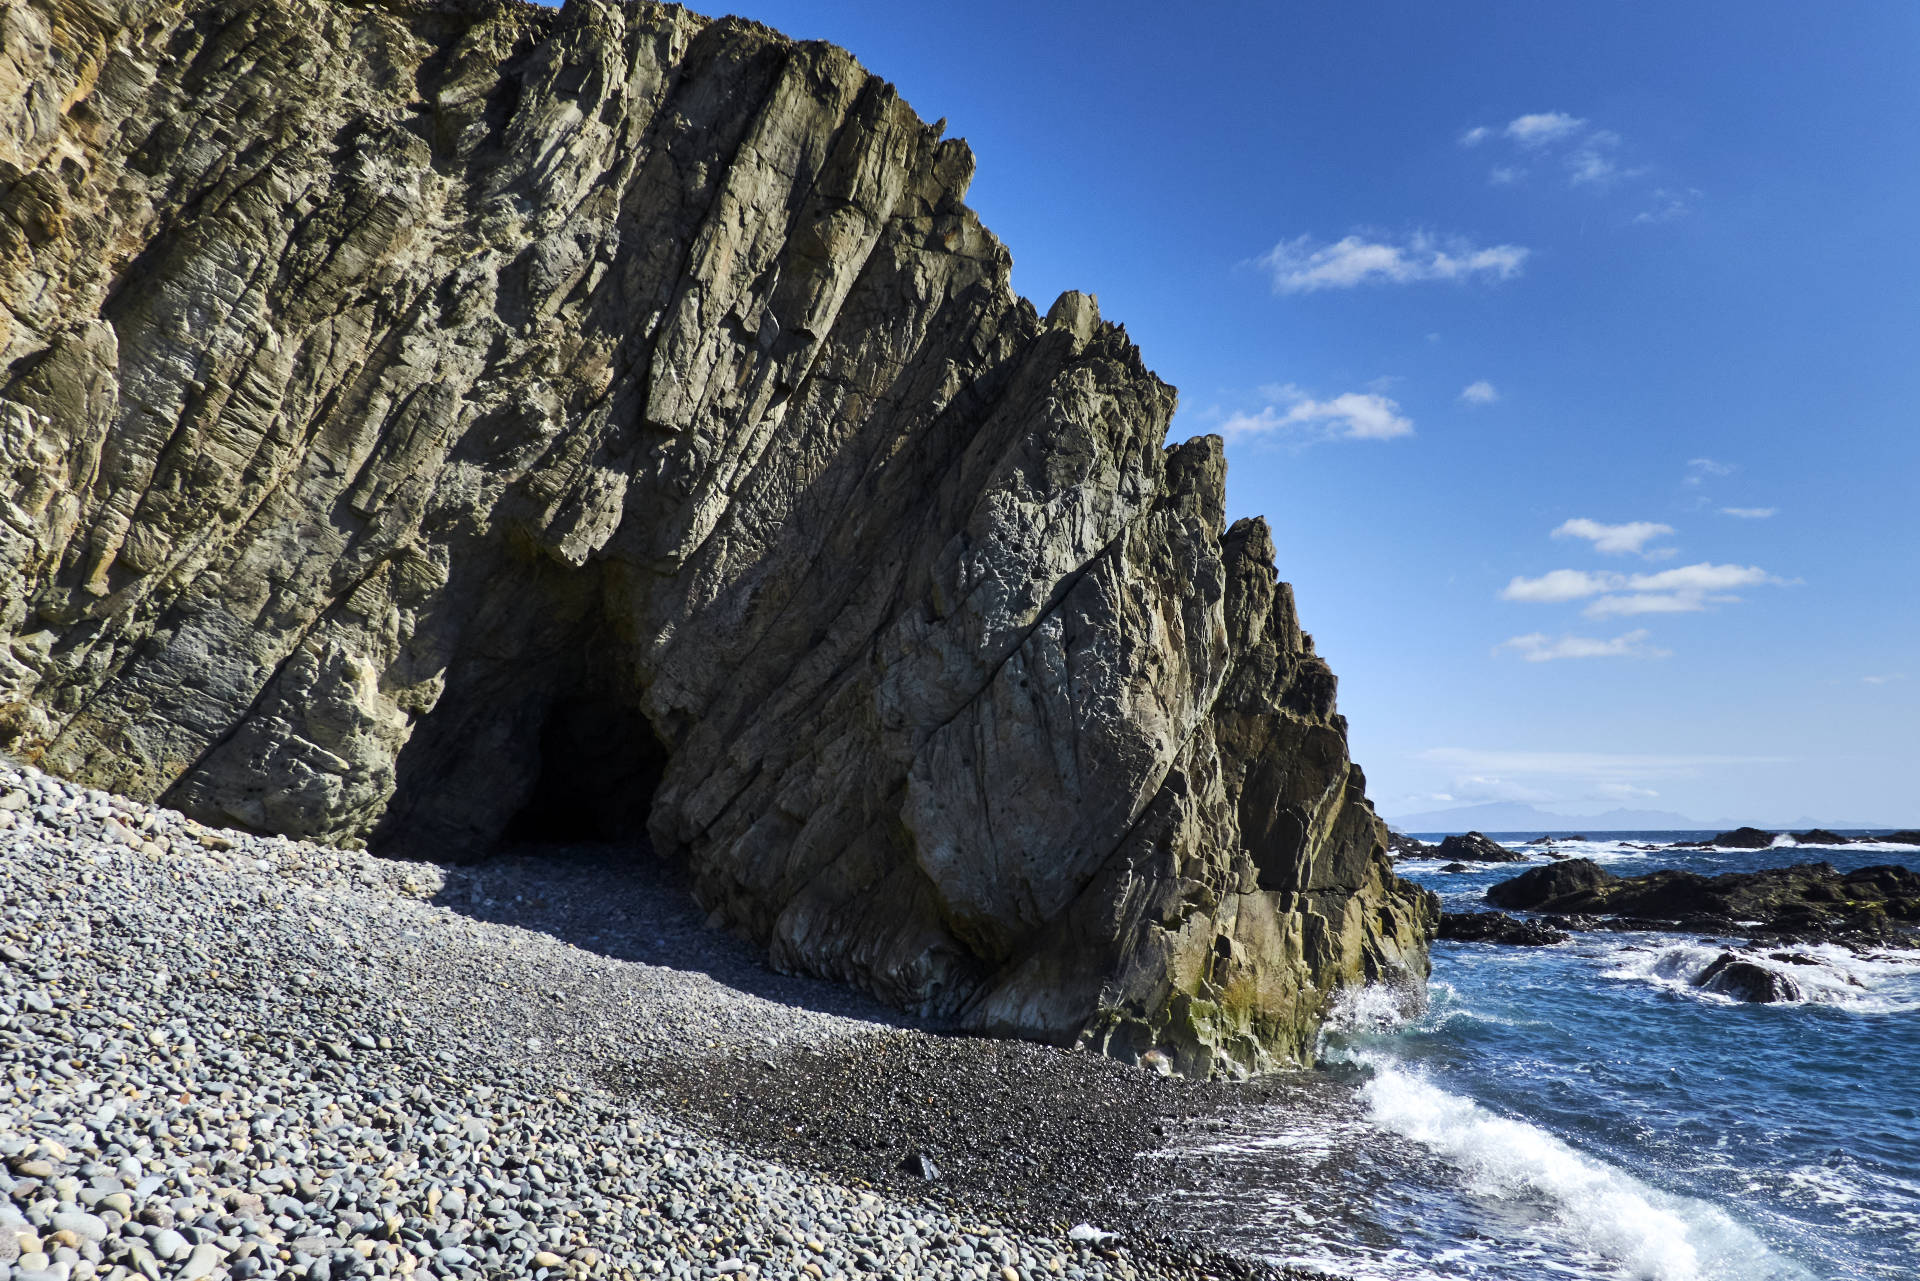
(1554,840)
(1456,867)
(1812,901)
(423,423)
(1498,927)
(1801,958)
(1731,975)
(1740,838)
(1821,836)
(1400,845)
(1475,848)
(1905,837)
(1548,886)
(921,1166)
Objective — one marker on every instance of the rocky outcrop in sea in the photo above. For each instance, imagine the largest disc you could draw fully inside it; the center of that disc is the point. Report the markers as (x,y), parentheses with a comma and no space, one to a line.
(1808,901)
(1476,848)
(423,422)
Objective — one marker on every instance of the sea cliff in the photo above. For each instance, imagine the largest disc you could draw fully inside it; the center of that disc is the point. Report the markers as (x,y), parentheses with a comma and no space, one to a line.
(422,422)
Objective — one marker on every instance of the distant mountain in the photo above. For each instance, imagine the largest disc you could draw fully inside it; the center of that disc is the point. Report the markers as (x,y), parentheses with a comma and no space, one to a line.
(1506,816)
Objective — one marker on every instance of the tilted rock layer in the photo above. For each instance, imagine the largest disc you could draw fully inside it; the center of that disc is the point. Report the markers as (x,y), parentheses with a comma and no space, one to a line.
(422,419)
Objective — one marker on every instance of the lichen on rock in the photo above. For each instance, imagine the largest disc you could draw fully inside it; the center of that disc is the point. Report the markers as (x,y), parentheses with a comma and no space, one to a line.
(405,405)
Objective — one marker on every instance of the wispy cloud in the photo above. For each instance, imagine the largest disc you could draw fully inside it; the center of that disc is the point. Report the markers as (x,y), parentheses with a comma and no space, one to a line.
(1300,265)
(1620,766)
(1538,647)
(1750,513)
(1543,127)
(1883,680)
(1628,539)
(1588,156)
(1479,393)
(1351,415)
(1667,204)
(1683,590)
(1699,469)
(1606,777)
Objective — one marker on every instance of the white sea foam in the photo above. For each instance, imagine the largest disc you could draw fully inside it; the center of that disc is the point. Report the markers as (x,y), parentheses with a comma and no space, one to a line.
(1886,982)
(1590,1205)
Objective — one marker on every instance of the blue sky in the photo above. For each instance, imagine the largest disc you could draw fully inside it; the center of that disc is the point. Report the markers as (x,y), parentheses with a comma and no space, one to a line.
(1573,353)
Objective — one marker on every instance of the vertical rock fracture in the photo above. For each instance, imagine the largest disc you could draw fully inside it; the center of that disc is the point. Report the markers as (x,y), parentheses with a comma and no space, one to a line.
(394,394)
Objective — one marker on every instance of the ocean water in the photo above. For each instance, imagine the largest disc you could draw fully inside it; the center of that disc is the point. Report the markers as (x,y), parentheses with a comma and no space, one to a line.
(1583,1112)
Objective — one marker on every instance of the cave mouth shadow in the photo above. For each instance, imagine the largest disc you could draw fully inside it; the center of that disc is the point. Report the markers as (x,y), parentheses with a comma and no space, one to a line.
(575,862)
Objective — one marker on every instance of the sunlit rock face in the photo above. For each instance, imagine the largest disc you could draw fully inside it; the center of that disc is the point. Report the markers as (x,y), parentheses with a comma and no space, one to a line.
(421,417)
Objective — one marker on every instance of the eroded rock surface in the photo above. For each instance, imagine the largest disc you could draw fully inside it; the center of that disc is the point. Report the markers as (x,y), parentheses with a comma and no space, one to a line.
(421,418)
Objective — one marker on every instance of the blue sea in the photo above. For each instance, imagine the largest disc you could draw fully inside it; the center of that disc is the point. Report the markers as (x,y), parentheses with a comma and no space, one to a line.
(1583,1112)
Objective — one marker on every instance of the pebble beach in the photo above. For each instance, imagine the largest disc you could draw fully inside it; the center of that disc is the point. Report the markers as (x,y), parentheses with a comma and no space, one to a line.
(227,1055)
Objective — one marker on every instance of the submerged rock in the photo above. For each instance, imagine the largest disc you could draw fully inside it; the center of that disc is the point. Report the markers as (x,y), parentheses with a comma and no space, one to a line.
(1498,927)
(1812,901)
(1475,848)
(607,421)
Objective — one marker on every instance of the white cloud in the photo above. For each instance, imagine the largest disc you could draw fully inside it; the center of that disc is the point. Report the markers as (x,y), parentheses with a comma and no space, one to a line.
(1299,266)
(1589,167)
(1703,577)
(1479,393)
(1505,175)
(1884,680)
(1475,136)
(1351,415)
(1683,590)
(1750,513)
(1537,647)
(1628,539)
(1559,585)
(1543,127)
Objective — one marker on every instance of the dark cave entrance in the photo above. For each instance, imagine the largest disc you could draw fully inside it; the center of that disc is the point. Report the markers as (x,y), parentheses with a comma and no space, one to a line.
(596,766)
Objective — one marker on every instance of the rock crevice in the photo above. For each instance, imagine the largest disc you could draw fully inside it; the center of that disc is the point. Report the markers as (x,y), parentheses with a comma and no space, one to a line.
(394,393)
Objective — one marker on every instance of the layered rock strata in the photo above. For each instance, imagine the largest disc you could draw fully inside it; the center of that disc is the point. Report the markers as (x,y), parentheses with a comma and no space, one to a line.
(422,419)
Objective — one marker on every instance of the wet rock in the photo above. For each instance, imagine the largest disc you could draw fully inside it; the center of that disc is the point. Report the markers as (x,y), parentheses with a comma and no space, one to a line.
(1740,838)
(1475,848)
(1810,901)
(1498,927)
(1732,975)
(1821,836)
(1904,837)
(1400,845)
(1456,867)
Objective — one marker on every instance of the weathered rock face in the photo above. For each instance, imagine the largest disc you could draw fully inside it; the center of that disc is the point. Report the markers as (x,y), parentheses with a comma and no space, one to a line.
(422,418)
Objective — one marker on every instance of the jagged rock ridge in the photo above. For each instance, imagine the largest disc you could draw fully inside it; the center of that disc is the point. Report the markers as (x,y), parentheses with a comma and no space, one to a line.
(421,417)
